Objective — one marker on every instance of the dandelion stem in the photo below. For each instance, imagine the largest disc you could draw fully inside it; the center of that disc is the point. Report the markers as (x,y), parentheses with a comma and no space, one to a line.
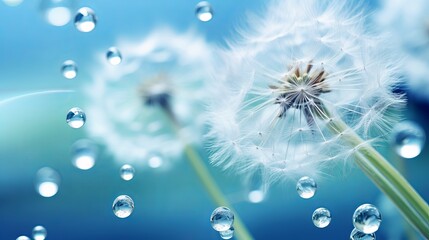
(412,206)
(240,230)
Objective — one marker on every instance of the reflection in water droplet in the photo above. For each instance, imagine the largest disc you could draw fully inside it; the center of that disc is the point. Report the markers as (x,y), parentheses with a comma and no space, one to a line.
(69,69)
(123,206)
(76,117)
(127,172)
(357,235)
(113,56)
(57,12)
(47,182)
(12,3)
(85,20)
(306,187)
(227,234)
(204,11)
(222,219)
(39,233)
(408,139)
(23,238)
(84,154)
(367,218)
(321,217)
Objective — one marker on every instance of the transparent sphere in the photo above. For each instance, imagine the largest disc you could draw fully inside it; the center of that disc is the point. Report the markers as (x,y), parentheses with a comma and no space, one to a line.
(227,234)
(23,238)
(123,206)
(204,11)
(127,172)
(85,20)
(76,118)
(367,218)
(113,56)
(47,182)
(69,69)
(357,235)
(306,187)
(408,139)
(84,154)
(222,219)
(321,217)
(57,12)
(39,233)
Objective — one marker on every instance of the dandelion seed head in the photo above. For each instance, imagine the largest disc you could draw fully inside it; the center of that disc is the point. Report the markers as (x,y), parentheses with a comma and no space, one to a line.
(282,77)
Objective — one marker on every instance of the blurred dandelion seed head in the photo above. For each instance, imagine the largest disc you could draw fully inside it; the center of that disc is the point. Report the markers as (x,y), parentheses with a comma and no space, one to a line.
(284,75)
(127,102)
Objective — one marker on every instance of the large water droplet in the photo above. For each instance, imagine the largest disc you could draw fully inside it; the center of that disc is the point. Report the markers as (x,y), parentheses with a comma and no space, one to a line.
(47,182)
(39,233)
(357,235)
(123,206)
(204,11)
(367,218)
(69,69)
(76,117)
(306,187)
(84,154)
(113,56)
(127,172)
(85,20)
(321,217)
(23,238)
(228,234)
(222,219)
(408,139)
(57,12)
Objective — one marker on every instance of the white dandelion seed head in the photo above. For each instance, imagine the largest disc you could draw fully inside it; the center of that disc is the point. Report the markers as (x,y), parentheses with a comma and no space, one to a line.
(287,70)
(165,70)
(409,26)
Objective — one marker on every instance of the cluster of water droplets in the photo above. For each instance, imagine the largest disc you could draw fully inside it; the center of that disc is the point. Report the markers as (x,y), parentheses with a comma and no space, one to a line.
(38,233)
(222,220)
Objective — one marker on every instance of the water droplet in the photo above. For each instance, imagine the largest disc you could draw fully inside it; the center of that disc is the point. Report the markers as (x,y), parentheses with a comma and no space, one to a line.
(84,154)
(408,139)
(76,117)
(113,56)
(227,234)
(204,11)
(155,161)
(47,182)
(357,235)
(321,217)
(69,69)
(367,218)
(23,238)
(256,196)
(127,172)
(306,187)
(85,20)
(123,206)
(222,219)
(57,12)
(39,233)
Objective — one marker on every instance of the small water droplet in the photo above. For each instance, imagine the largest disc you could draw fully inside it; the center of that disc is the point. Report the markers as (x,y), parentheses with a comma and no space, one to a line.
(76,118)
(306,187)
(85,20)
(57,12)
(39,233)
(321,217)
(227,234)
(222,219)
(204,11)
(357,235)
(155,161)
(408,139)
(256,196)
(69,69)
(367,218)
(113,56)
(123,206)
(47,182)
(84,154)
(127,172)
(23,238)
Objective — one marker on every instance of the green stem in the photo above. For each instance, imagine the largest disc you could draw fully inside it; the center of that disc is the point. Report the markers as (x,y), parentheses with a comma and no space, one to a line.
(240,230)
(412,206)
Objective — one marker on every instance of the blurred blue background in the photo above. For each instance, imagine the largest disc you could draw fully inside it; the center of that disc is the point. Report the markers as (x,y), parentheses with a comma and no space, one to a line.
(168,204)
